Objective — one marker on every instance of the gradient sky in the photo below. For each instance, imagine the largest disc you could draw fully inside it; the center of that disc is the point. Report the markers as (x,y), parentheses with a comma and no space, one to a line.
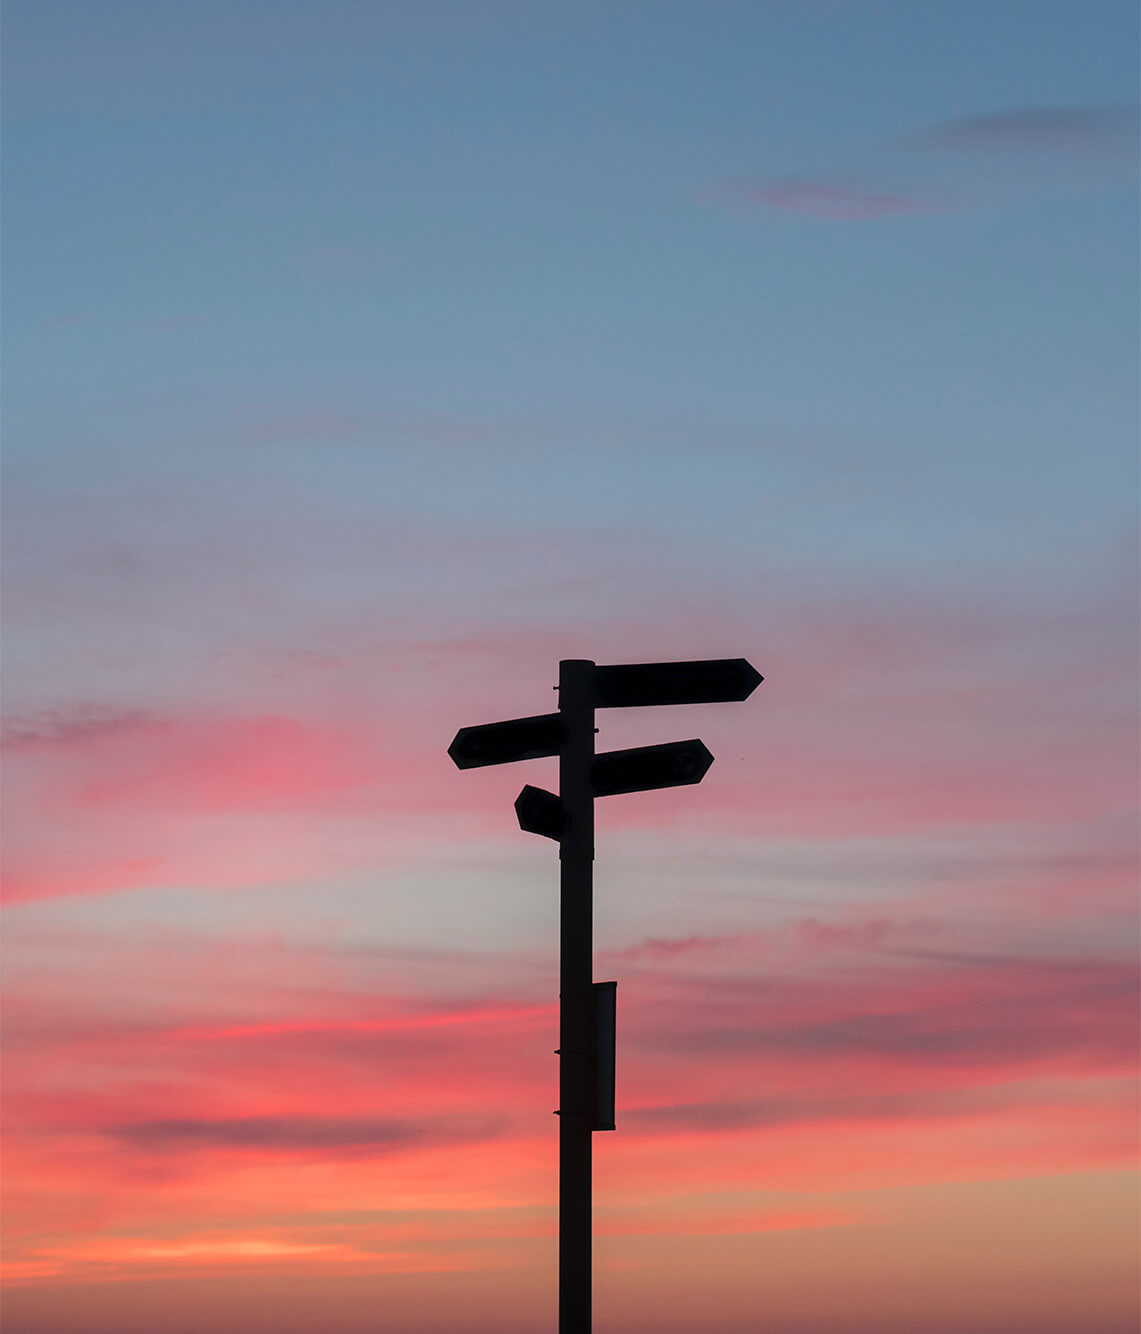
(364,359)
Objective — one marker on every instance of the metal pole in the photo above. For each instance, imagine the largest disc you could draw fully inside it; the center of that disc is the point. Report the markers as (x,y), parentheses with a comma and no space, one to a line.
(576,1030)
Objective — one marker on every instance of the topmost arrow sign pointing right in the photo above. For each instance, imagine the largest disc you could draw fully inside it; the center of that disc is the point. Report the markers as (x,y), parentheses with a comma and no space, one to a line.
(712,681)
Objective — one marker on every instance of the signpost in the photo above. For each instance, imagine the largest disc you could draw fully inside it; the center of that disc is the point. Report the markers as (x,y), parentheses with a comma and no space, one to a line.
(586,1007)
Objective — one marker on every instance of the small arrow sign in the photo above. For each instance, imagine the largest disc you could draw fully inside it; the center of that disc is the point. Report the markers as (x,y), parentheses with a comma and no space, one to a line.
(540,812)
(646,767)
(502,743)
(712,681)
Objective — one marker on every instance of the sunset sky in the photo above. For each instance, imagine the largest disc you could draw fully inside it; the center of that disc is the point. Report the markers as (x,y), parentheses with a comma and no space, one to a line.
(364,359)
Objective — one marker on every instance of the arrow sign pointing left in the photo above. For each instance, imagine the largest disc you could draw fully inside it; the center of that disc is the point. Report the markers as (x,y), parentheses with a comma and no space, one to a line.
(540,812)
(502,743)
(646,767)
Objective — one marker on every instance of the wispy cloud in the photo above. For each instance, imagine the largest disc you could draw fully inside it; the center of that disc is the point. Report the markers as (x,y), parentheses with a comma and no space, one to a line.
(1035,128)
(302,1133)
(654,950)
(1014,1014)
(834,200)
(1091,134)
(74,727)
(882,714)
(253,1059)
(713,1118)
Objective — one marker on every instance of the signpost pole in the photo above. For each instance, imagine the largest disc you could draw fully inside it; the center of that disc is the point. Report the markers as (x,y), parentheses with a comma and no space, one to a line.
(576,1026)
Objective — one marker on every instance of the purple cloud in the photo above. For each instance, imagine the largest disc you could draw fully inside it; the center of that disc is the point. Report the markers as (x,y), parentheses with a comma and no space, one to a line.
(342,263)
(655,950)
(1035,128)
(836,200)
(73,727)
(1007,1014)
(1096,132)
(808,1108)
(301,1133)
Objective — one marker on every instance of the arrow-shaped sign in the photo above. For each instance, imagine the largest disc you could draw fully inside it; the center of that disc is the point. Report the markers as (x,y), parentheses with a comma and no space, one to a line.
(540,812)
(502,743)
(712,681)
(646,767)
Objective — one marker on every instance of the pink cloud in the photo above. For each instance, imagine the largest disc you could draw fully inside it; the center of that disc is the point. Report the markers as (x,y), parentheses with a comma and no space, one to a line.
(48,876)
(256,1079)
(876,717)
(616,1221)
(835,200)
(139,794)
(915,1024)
(861,935)
(245,764)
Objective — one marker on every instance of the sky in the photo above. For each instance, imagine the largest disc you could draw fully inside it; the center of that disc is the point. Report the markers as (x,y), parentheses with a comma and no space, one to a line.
(363,360)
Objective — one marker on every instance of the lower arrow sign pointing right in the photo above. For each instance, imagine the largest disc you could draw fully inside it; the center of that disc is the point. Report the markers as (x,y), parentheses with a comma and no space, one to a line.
(646,767)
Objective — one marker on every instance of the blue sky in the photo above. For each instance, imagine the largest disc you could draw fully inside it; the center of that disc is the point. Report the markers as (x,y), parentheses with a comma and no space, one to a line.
(291,238)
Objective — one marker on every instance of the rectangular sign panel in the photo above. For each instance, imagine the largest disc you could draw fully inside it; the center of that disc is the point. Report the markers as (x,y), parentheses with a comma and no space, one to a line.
(604,996)
(646,767)
(712,681)
(502,743)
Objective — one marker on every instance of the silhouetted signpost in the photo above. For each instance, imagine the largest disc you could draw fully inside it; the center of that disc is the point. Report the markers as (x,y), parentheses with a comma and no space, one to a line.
(586,1007)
